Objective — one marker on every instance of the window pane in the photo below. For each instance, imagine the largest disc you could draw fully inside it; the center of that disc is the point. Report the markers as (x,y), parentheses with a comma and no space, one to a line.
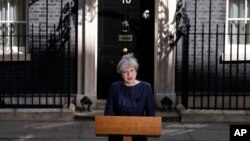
(236,31)
(18,12)
(13,37)
(11,10)
(232,28)
(242,28)
(248,32)
(1,37)
(3,9)
(248,7)
(18,32)
(4,38)
(236,8)
(22,10)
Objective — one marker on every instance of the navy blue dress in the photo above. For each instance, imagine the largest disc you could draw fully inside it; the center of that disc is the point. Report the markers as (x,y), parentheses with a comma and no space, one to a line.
(137,100)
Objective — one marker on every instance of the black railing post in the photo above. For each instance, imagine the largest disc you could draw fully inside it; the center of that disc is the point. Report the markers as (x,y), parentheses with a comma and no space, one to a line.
(10,35)
(185,70)
(202,65)
(69,80)
(62,62)
(3,68)
(223,69)
(230,67)
(245,67)
(209,54)
(32,64)
(216,69)
(237,68)
(41,85)
(69,62)
(47,53)
(194,57)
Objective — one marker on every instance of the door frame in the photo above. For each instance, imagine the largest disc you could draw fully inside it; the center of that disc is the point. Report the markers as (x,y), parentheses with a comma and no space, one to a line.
(88,45)
(87,50)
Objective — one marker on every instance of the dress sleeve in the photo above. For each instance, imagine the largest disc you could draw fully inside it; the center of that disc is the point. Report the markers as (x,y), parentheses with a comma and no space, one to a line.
(109,104)
(150,105)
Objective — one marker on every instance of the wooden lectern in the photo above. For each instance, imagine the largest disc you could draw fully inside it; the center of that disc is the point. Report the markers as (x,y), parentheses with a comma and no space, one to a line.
(128,126)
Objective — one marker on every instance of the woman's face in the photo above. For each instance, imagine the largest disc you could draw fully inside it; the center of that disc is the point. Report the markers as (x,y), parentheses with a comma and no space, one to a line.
(129,76)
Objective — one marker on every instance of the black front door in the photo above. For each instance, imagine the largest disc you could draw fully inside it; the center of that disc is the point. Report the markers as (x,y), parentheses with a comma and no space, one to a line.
(124,26)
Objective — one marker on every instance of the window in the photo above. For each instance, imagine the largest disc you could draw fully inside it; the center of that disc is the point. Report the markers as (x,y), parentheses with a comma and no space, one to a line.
(12,27)
(238,29)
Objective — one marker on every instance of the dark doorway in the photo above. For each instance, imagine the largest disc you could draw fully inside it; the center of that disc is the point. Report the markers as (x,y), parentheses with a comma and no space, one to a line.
(124,25)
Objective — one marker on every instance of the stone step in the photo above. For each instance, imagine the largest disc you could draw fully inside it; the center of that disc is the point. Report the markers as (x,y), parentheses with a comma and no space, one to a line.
(213,116)
(48,114)
(85,115)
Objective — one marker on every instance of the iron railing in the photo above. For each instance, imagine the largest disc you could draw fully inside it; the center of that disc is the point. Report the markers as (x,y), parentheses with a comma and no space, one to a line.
(212,70)
(38,69)
(40,75)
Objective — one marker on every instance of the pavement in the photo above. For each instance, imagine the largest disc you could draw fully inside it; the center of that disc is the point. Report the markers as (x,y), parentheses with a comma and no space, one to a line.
(82,129)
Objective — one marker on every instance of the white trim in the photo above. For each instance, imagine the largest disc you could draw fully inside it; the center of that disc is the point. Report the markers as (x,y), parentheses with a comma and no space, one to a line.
(15,54)
(238,19)
(156,45)
(237,54)
(15,57)
(2,21)
(90,48)
(15,50)
(80,47)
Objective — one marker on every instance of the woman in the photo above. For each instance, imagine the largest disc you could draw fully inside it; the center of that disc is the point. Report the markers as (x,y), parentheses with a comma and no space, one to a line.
(130,97)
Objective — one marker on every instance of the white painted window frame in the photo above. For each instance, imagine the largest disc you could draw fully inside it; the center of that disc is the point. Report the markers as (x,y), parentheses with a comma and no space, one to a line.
(236,52)
(14,52)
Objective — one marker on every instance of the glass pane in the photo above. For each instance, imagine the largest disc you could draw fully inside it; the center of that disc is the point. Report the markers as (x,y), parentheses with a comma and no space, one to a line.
(18,32)
(11,10)
(22,10)
(17,10)
(236,31)
(3,9)
(236,8)
(242,28)
(1,37)
(248,8)
(4,36)
(232,31)
(248,32)
(14,35)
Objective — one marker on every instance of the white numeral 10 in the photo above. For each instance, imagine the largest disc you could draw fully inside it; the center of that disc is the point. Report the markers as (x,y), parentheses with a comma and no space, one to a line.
(126,1)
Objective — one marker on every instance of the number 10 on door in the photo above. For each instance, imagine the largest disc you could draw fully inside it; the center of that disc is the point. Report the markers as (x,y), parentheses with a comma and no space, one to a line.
(126,1)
